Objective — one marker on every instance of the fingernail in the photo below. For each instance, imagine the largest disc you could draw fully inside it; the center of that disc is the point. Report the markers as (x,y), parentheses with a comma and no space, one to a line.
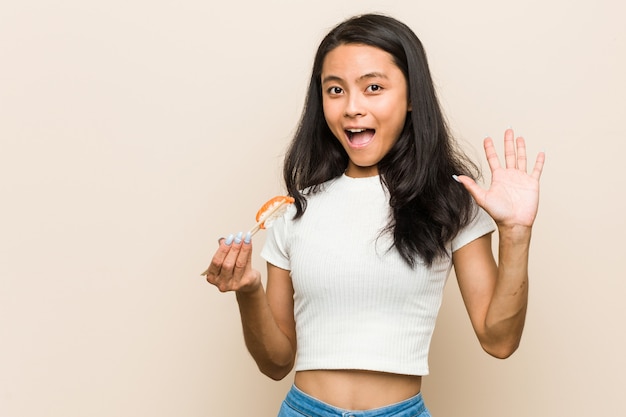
(219,239)
(238,238)
(229,239)
(248,238)
(456,178)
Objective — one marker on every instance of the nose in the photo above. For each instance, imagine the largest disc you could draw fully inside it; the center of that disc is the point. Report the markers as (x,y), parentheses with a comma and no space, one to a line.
(355,107)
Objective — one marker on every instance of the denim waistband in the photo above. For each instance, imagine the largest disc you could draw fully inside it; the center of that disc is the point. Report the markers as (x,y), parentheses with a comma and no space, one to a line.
(310,406)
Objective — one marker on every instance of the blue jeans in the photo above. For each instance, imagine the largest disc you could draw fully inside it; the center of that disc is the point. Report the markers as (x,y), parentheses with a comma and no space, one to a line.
(299,404)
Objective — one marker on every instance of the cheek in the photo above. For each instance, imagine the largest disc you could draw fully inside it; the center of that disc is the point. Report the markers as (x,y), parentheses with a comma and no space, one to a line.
(328,107)
(395,127)
(394,116)
(332,114)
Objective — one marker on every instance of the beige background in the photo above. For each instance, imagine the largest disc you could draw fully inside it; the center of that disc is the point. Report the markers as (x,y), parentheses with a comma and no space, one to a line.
(134,133)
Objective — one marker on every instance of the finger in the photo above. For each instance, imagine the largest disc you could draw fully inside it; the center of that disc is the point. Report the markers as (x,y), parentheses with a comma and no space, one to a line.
(245,256)
(521,154)
(491,154)
(230,261)
(509,149)
(219,256)
(538,169)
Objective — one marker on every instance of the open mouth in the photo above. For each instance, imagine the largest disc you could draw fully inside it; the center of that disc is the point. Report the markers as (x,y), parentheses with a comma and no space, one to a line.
(360,137)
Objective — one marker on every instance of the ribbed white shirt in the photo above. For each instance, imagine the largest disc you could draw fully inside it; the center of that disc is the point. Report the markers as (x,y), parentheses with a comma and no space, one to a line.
(357,304)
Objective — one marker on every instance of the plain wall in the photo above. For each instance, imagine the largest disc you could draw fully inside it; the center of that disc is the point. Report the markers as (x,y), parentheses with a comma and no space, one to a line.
(134,133)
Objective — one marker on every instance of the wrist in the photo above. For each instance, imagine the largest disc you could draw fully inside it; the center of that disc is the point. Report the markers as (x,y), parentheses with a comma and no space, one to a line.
(251,291)
(514,233)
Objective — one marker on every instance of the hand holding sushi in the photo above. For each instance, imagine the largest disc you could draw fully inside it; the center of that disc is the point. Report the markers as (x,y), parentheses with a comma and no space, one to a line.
(230,268)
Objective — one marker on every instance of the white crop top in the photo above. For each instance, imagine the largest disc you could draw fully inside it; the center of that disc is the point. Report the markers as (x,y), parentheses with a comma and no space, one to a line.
(357,304)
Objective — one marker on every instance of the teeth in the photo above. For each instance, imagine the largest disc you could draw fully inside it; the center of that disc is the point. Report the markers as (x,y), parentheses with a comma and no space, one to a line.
(356,130)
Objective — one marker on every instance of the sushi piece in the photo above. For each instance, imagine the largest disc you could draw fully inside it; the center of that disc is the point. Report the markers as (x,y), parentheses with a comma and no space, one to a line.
(271,210)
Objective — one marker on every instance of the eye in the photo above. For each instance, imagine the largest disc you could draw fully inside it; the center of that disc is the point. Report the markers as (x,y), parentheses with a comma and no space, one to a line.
(335,90)
(374,88)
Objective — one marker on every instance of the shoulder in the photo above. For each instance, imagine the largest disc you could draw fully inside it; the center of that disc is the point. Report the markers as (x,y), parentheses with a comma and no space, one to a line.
(480,225)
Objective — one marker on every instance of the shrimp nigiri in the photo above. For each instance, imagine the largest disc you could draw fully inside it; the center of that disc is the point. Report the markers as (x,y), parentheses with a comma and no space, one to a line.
(272,209)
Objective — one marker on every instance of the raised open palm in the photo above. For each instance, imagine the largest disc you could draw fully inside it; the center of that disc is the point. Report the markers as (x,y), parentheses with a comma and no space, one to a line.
(513,196)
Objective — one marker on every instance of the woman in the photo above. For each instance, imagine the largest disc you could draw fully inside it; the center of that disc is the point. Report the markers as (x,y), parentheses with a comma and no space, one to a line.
(356,268)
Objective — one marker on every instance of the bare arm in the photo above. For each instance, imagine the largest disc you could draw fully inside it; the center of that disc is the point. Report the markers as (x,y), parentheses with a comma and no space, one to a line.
(496,295)
(266,316)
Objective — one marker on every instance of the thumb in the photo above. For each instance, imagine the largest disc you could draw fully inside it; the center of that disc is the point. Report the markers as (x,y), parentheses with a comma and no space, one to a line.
(470,185)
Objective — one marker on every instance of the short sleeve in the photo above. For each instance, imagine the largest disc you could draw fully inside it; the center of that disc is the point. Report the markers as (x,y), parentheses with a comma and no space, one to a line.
(479,226)
(276,249)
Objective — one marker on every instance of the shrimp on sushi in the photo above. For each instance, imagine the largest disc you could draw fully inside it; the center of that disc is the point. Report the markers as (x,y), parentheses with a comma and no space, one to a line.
(272,209)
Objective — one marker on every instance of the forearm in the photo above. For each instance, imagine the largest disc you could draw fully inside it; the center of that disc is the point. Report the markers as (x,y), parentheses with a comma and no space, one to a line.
(506,315)
(269,346)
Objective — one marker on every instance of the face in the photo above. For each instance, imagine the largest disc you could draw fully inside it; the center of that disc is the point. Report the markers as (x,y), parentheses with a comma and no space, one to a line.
(365,103)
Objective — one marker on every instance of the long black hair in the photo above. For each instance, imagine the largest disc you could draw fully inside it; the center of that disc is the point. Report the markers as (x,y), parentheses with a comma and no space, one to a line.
(428,208)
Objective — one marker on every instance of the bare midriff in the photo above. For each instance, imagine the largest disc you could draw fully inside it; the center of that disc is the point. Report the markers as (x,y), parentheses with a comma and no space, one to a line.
(357,390)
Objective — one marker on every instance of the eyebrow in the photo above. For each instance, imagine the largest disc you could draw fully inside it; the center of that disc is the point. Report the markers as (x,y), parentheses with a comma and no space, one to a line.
(361,78)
